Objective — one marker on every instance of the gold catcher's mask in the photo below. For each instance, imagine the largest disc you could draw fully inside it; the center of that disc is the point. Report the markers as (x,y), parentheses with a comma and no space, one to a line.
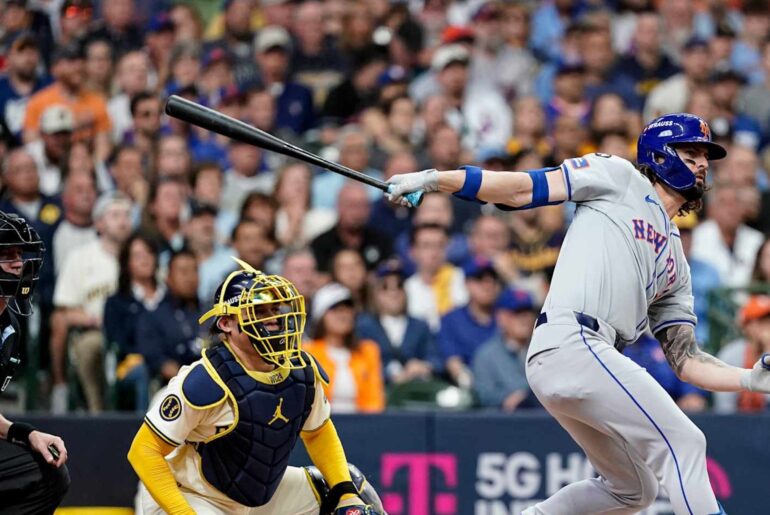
(269,310)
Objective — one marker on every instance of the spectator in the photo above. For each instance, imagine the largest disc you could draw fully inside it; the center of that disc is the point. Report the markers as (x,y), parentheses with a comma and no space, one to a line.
(252,243)
(50,151)
(132,78)
(725,89)
(173,159)
(138,292)
(498,366)
(260,208)
(349,269)
(354,152)
(351,231)
(159,39)
(98,56)
(213,258)
(755,322)
(762,264)
(464,329)
(216,75)
(296,222)
(300,269)
(77,226)
(489,238)
(646,65)
(294,102)
(358,91)
(600,66)
(569,99)
(646,353)
(407,347)
(529,128)
(75,18)
(144,131)
(437,286)
(168,346)
(246,175)
(162,217)
(724,241)
(746,56)
(89,109)
(236,36)
(127,175)
(316,61)
(704,276)
(670,96)
(353,365)
(20,81)
(186,22)
(87,279)
(753,99)
(117,26)
(22,194)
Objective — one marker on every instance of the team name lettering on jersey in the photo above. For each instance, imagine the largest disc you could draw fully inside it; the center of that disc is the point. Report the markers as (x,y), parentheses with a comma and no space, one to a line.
(644,230)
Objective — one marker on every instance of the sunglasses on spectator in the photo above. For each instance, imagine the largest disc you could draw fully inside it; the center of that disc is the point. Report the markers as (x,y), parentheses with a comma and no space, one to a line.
(74,11)
(147,113)
(386,285)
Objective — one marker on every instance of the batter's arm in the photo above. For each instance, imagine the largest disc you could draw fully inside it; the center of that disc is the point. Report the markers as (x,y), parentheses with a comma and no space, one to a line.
(703,370)
(513,189)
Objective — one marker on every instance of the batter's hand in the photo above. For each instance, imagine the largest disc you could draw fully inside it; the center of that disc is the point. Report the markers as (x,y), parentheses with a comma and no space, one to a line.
(401,184)
(40,442)
(757,379)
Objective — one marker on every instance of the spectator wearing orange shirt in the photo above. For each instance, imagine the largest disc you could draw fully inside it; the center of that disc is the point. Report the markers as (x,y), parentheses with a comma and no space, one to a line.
(92,122)
(353,365)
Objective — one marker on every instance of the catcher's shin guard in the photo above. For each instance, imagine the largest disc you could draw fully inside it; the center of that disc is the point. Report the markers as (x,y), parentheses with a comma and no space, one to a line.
(329,498)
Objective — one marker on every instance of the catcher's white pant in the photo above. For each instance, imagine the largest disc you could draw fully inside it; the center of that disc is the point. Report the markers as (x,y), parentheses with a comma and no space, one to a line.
(636,437)
(294,496)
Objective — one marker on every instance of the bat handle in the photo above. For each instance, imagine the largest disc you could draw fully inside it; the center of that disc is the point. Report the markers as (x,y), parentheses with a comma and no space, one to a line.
(414,198)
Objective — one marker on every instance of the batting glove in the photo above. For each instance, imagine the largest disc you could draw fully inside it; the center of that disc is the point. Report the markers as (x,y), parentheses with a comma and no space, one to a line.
(401,184)
(757,379)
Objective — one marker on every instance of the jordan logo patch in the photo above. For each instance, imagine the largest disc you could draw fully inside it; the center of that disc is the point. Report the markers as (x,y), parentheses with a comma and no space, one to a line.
(278,415)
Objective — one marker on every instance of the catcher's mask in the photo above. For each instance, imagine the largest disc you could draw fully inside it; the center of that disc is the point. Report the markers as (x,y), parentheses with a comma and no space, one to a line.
(269,310)
(21,254)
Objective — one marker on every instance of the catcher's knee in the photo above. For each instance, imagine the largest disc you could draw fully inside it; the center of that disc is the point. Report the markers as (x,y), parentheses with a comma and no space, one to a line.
(365,490)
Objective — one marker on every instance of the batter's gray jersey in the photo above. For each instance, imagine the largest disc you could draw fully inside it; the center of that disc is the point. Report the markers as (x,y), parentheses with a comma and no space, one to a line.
(622,258)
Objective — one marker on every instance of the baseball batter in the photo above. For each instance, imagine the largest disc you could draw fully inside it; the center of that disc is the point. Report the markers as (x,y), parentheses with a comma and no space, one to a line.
(621,270)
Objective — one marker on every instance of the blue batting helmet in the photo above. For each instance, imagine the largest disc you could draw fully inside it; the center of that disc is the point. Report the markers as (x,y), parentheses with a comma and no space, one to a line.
(655,148)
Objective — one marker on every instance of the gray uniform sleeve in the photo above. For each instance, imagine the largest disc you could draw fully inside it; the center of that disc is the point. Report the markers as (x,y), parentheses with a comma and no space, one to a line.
(674,307)
(596,177)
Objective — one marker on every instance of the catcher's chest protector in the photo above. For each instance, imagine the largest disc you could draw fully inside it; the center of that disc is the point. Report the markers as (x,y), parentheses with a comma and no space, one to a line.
(247,463)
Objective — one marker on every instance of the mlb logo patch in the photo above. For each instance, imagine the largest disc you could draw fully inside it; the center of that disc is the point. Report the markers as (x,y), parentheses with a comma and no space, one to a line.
(578,163)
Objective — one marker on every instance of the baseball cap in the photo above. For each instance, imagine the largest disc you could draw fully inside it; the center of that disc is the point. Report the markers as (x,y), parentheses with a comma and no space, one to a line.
(329,296)
(390,267)
(106,200)
(479,267)
(727,75)
(449,54)
(57,118)
(71,8)
(392,75)
(515,300)
(23,40)
(273,36)
(758,306)
(215,55)
(68,52)
(567,68)
(160,22)
(198,208)
(457,34)
(695,43)
(486,11)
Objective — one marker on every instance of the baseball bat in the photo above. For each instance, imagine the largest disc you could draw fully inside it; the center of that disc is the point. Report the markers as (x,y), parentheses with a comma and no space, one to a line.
(214,121)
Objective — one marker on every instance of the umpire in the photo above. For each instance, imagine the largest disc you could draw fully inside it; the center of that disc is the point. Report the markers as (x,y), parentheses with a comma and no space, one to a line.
(33,477)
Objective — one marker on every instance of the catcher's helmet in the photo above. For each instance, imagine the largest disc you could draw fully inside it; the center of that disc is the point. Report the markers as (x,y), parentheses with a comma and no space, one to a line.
(657,142)
(21,257)
(270,311)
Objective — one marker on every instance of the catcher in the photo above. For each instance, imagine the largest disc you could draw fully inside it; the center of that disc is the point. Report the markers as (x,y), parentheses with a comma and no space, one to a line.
(219,440)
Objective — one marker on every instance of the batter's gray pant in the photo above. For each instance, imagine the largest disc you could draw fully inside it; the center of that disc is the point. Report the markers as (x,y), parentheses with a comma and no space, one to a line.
(631,430)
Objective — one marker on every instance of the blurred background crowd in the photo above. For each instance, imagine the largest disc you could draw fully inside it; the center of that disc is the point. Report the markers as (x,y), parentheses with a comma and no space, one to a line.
(431,307)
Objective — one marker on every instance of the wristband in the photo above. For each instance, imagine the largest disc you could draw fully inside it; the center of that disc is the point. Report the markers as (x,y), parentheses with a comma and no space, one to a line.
(472,184)
(19,432)
(333,497)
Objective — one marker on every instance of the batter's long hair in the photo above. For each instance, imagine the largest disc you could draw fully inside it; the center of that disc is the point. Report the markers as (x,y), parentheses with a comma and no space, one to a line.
(690,205)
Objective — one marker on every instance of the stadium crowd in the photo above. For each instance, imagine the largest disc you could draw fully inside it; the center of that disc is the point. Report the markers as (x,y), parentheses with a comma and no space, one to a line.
(141,212)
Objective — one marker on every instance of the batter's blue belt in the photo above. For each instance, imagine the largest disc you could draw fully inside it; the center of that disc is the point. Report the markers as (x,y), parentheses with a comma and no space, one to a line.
(581,318)
(588,322)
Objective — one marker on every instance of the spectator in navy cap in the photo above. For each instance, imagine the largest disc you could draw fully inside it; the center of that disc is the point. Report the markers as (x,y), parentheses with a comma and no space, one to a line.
(499,364)
(407,347)
(464,329)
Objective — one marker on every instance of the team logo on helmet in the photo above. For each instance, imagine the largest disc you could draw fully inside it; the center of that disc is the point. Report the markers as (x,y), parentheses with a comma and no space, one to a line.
(704,129)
